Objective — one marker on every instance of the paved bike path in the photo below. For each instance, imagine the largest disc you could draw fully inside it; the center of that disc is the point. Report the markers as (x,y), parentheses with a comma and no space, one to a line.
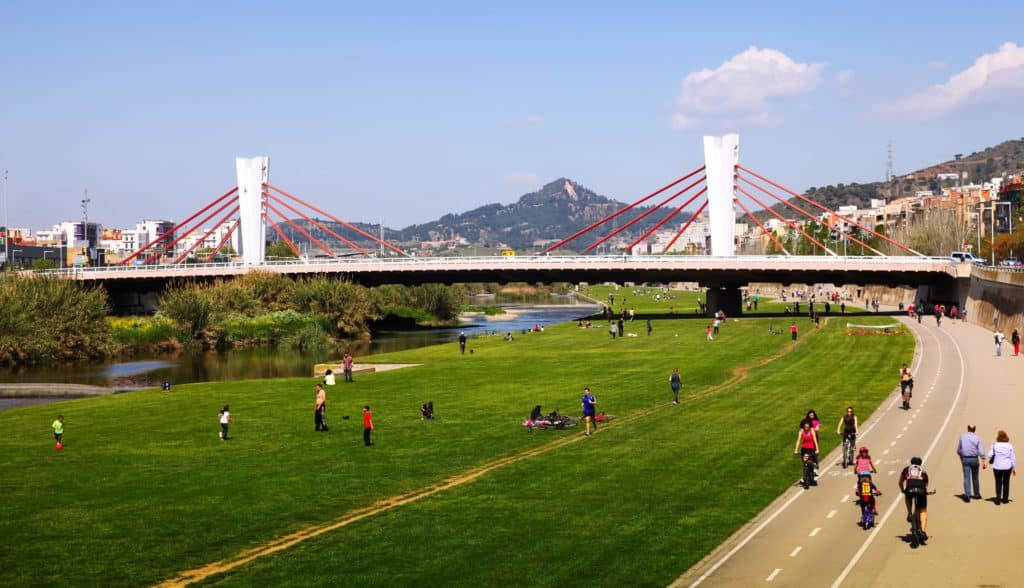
(811,538)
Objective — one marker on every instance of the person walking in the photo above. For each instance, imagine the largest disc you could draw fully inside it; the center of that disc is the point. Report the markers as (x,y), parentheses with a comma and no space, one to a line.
(589,411)
(792,331)
(613,330)
(1015,340)
(347,364)
(367,425)
(622,327)
(999,342)
(971,452)
(676,382)
(708,331)
(650,329)
(462,343)
(225,418)
(320,410)
(1004,463)
(58,430)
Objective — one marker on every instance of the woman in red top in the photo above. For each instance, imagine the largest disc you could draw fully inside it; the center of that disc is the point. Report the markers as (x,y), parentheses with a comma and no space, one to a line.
(807,442)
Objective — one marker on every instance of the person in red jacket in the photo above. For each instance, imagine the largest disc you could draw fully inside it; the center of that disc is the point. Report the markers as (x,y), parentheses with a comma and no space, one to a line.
(367,425)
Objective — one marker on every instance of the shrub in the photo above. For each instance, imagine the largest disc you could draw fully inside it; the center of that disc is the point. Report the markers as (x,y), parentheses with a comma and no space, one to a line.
(48,319)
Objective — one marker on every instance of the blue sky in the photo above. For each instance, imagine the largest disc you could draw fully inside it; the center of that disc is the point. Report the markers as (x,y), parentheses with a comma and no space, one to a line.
(407,111)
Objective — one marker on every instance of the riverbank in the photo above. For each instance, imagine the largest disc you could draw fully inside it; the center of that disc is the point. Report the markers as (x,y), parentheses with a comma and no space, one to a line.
(57,390)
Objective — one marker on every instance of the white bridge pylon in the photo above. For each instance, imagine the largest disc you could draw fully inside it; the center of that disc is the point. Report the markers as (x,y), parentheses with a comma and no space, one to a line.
(721,155)
(253,173)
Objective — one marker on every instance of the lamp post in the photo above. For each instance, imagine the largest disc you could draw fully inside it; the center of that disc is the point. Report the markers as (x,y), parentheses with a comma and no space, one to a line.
(7,223)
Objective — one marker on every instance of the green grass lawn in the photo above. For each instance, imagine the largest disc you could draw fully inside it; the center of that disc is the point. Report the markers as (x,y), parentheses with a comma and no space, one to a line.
(144,488)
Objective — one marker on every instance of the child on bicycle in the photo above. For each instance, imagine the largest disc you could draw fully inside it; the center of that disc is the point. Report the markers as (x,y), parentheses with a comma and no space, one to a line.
(866,492)
(863,463)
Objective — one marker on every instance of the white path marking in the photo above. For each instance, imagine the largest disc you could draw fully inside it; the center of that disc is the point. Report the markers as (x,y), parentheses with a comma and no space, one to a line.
(831,514)
(899,436)
(885,452)
(742,543)
(795,551)
(949,414)
(772,575)
(814,531)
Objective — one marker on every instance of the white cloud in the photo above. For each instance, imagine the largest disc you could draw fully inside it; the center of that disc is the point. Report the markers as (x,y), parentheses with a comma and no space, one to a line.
(994,79)
(526,120)
(844,77)
(741,90)
(519,177)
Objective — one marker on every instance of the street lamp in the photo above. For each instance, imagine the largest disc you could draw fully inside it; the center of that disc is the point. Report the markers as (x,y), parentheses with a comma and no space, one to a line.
(7,223)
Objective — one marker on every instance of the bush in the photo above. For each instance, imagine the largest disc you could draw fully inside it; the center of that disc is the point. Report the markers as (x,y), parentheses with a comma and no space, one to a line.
(52,319)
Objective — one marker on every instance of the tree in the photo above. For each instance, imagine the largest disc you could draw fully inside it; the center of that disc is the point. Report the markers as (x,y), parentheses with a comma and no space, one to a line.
(280,249)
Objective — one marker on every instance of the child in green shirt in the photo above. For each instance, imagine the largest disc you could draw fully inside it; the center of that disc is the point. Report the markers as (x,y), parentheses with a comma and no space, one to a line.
(58,428)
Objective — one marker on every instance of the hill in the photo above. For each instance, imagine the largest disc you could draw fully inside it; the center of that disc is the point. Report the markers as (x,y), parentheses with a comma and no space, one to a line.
(980,166)
(563,206)
(537,219)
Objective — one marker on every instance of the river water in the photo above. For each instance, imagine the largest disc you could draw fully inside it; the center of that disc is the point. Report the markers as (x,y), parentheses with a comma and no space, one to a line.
(243,364)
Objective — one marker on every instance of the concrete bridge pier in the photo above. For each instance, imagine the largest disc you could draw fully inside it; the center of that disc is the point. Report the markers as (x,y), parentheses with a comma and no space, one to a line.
(725,297)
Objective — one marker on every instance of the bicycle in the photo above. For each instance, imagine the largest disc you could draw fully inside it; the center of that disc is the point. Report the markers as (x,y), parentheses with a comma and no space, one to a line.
(867,516)
(849,444)
(907,392)
(917,535)
(807,480)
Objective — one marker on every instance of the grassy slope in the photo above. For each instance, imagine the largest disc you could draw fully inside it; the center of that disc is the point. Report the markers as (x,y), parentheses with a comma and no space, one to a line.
(144,488)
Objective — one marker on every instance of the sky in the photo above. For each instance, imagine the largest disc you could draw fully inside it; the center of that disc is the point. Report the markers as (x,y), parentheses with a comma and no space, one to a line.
(402,112)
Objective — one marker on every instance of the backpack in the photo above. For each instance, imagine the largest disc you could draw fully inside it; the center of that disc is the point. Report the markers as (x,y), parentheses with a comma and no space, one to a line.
(915,478)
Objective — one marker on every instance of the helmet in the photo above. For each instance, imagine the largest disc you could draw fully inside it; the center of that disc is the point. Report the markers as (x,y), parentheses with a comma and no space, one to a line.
(864,449)
(916,461)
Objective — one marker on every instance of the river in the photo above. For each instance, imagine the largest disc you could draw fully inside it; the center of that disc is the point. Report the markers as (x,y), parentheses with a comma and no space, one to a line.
(243,364)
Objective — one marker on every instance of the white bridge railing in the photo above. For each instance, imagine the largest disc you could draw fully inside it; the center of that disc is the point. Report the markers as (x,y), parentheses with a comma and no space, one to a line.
(868,263)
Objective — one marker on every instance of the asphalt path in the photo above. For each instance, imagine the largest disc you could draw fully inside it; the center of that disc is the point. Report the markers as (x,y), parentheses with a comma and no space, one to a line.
(813,538)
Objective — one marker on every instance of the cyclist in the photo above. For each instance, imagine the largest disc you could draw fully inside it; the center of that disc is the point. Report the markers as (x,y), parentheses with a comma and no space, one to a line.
(847,427)
(864,463)
(914,484)
(906,385)
(807,443)
(866,492)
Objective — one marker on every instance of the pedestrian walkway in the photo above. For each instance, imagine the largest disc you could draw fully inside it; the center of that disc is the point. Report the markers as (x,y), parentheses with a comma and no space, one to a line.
(812,538)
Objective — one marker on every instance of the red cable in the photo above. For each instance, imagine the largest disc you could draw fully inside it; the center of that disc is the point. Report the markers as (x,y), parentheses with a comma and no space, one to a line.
(770,234)
(281,234)
(316,223)
(184,234)
(305,234)
(643,215)
(207,234)
(177,226)
(795,207)
(615,214)
(213,254)
(813,203)
(686,226)
(793,226)
(667,217)
(336,219)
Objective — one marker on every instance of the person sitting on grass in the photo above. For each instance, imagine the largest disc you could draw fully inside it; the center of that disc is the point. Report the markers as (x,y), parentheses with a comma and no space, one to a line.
(427,411)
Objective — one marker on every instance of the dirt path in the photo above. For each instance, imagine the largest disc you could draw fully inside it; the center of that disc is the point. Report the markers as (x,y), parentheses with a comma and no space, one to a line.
(187,577)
